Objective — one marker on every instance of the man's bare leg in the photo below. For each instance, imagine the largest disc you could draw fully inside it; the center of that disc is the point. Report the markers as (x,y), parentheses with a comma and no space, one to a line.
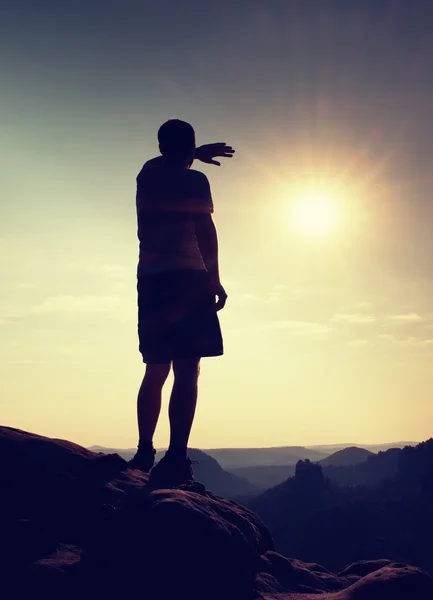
(174,468)
(148,409)
(149,400)
(183,401)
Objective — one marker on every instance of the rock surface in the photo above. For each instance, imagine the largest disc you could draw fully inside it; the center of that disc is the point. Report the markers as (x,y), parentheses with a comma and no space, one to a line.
(78,524)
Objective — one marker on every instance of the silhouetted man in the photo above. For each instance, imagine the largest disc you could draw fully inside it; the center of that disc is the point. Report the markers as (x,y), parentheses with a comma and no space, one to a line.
(178,287)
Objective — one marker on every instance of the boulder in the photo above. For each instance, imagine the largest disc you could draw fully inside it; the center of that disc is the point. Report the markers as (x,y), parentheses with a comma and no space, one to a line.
(79,524)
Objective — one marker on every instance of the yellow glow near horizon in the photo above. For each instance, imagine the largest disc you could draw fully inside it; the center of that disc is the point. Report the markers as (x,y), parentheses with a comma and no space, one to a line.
(315,213)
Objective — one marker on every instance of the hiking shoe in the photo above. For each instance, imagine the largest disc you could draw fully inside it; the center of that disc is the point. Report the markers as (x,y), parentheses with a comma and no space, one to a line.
(171,471)
(143,460)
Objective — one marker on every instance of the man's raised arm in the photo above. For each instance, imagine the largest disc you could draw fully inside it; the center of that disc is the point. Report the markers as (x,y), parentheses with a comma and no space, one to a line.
(205,153)
(208,152)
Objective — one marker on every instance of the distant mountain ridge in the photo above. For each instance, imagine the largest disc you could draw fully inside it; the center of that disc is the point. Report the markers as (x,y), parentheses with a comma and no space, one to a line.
(229,472)
(283,456)
(265,476)
(334,513)
(348,467)
(347,456)
(329,449)
(280,455)
(240,457)
(377,468)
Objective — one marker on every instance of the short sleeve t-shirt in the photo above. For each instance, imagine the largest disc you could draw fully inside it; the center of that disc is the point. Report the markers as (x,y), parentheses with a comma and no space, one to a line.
(168,198)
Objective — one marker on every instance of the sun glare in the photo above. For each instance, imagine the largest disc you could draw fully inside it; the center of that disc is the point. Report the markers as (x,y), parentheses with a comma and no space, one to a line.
(314,213)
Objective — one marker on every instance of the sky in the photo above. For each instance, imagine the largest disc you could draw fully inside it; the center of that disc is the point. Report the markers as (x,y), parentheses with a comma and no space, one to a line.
(328,334)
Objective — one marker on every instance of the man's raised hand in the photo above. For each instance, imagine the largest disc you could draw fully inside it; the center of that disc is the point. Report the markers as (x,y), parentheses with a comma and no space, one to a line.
(208,152)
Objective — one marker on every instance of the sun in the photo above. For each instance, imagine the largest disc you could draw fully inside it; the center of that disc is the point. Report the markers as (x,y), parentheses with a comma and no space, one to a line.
(314,213)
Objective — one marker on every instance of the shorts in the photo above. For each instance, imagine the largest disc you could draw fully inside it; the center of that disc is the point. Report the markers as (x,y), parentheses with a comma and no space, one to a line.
(177,316)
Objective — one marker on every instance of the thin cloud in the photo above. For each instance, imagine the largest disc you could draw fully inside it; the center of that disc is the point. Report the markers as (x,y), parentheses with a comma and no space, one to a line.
(406,318)
(26,286)
(301,327)
(122,309)
(272,298)
(78,304)
(26,362)
(387,337)
(358,343)
(364,304)
(9,314)
(411,341)
(116,271)
(355,318)
(232,283)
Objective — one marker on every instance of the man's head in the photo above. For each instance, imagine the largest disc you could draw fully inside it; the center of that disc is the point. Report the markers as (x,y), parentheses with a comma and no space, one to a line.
(177,141)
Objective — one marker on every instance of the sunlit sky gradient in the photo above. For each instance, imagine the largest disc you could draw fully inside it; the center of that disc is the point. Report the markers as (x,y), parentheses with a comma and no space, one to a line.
(328,339)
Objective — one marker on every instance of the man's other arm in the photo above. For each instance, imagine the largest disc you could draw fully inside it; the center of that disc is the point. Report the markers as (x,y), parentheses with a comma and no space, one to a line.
(207,239)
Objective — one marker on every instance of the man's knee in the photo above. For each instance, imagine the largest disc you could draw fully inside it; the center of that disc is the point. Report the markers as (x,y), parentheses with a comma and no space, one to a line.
(157,374)
(186,368)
